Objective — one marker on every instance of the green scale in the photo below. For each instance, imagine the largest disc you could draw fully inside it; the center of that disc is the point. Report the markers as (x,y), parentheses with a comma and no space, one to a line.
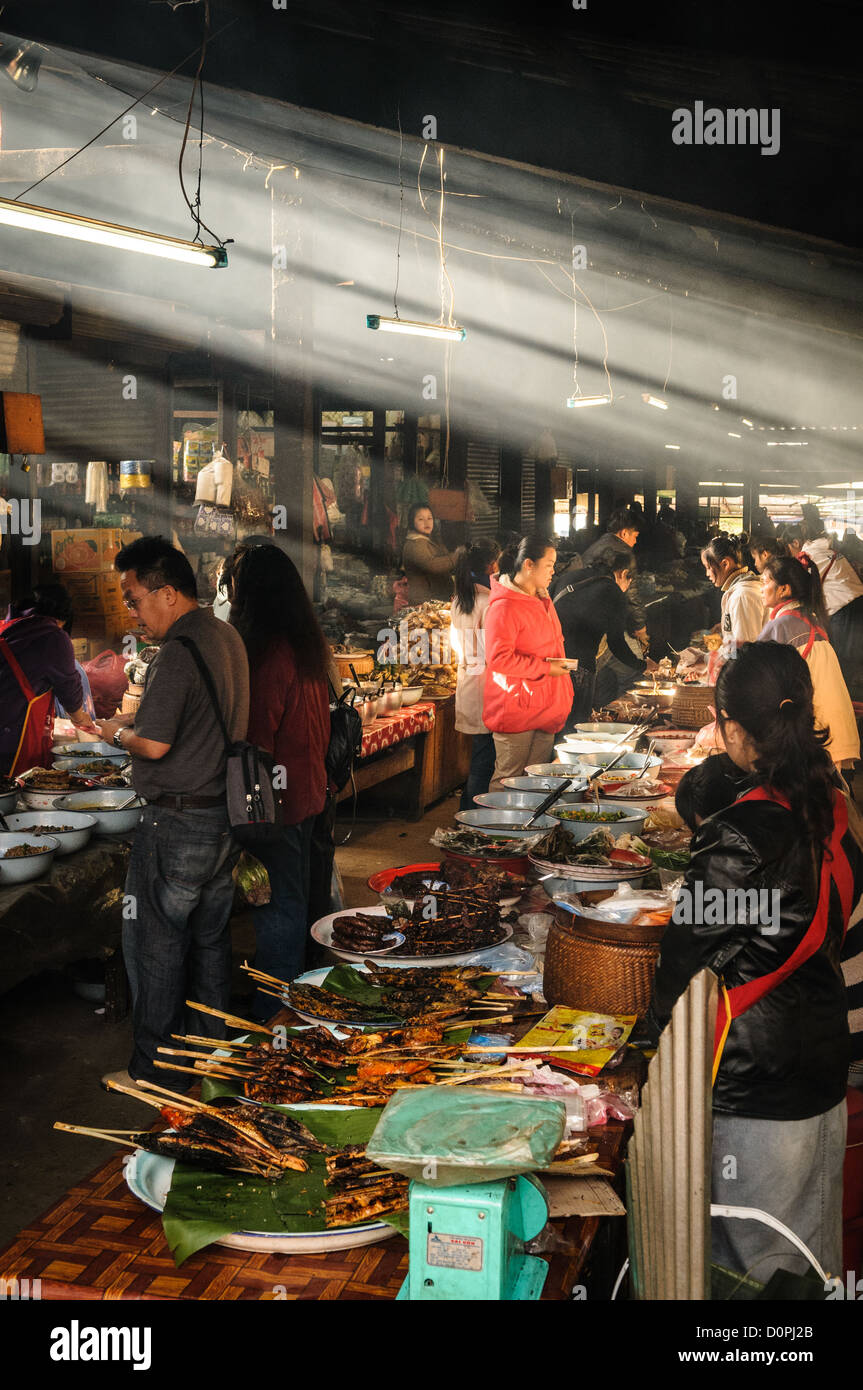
(467,1242)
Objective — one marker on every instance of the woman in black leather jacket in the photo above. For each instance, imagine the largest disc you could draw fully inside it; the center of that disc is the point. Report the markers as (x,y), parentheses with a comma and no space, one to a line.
(779,1093)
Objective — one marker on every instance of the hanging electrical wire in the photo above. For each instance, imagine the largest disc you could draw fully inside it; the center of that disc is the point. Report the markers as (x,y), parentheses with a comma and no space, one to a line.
(120,114)
(401,215)
(197,89)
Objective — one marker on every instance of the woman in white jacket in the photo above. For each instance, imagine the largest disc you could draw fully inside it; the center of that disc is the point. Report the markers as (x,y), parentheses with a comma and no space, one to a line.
(474,566)
(743,613)
(843,599)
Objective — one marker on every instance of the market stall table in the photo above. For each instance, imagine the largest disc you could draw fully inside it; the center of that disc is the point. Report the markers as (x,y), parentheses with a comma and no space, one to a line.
(422,741)
(100,1242)
(71,913)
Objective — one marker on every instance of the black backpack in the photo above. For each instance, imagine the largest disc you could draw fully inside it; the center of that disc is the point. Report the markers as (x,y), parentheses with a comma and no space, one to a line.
(346,738)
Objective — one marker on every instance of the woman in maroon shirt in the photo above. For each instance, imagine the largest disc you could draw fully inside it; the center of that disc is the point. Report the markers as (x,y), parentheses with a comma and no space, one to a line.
(289,717)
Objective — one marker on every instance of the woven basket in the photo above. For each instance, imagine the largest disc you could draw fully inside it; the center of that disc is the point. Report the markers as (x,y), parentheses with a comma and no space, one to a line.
(362,662)
(589,966)
(690,709)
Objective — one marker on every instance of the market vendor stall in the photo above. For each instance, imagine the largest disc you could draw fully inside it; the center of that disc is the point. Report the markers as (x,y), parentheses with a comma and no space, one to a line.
(422,741)
(100,1242)
(72,914)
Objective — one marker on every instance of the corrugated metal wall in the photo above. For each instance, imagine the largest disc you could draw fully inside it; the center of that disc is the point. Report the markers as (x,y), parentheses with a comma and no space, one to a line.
(669,1159)
(90,411)
(528,495)
(483,470)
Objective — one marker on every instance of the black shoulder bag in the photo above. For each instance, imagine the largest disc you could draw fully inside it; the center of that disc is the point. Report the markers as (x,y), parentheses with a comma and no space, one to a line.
(345,746)
(253,809)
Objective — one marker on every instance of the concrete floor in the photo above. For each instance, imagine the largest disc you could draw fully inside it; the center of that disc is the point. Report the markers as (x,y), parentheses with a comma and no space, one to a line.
(56,1046)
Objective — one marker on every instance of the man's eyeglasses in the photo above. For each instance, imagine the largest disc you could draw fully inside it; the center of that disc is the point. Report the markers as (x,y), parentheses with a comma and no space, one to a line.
(133,604)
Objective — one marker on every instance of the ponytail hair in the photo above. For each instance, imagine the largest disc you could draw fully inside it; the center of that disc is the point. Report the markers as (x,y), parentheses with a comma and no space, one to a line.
(802,578)
(767,545)
(767,689)
(470,560)
(532,548)
(721,548)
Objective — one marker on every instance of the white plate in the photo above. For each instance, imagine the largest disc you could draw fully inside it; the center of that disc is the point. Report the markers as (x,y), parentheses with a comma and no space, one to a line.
(322,932)
(324,937)
(317,977)
(148,1177)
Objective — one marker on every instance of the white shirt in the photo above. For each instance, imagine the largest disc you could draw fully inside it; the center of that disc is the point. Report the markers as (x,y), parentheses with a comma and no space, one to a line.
(841,585)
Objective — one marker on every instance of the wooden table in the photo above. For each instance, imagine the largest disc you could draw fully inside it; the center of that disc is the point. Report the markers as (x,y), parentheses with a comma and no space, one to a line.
(100,1242)
(421,741)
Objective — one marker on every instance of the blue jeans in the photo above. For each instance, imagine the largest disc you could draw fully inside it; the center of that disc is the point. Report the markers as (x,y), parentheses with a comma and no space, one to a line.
(177,945)
(791,1169)
(281,925)
(480,770)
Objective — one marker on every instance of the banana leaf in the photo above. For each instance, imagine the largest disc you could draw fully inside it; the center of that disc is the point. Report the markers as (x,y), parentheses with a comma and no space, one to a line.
(203,1206)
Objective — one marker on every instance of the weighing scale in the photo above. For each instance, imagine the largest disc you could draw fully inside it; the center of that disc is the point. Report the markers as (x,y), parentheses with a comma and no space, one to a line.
(467,1242)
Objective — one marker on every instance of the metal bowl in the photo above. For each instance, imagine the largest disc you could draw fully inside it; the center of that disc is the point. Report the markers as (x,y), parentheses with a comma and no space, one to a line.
(605,730)
(101,803)
(82,750)
(392,699)
(67,840)
(580,829)
(586,745)
(543,785)
(8,802)
(503,824)
(33,866)
(629,763)
(112,764)
(411,694)
(584,767)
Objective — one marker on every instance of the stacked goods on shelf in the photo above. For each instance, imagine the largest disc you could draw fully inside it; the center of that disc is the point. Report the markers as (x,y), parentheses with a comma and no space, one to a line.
(420,650)
(83,561)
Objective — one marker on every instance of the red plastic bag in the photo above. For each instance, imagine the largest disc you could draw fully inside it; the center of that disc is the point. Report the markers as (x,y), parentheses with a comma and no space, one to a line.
(107,676)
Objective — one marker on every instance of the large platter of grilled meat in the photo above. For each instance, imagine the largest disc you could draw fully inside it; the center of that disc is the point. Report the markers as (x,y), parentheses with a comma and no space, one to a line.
(397,995)
(439,928)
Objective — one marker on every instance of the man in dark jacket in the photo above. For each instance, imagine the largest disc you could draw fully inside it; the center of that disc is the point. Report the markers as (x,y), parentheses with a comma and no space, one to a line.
(614,547)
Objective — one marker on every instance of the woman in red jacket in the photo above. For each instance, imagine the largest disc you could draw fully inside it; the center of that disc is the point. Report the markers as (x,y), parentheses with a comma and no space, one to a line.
(289,717)
(528,692)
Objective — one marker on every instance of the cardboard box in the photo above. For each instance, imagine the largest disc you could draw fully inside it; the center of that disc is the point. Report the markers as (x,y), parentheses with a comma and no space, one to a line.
(94,593)
(88,550)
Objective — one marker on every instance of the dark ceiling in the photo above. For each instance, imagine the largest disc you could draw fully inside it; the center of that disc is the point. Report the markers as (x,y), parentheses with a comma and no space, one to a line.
(585,91)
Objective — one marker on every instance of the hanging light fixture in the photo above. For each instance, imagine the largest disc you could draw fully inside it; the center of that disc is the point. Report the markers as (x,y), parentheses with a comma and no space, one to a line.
(575,402)
(419,328)
(416,327)
(21,64)
(79,228)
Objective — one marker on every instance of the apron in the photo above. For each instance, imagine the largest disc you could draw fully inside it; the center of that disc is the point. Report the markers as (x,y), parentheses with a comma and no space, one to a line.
(813,630)
(835,869)
(34,745)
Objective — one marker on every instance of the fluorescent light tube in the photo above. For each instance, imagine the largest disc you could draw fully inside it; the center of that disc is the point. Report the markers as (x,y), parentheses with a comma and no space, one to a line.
(654,400)
(414,327)
(672,446)
(575,402)
(79,228)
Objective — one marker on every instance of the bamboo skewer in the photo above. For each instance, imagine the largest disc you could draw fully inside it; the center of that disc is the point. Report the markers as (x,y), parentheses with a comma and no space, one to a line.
(229,1018)
(156,1101)
(202,1072)
(173,1095)
(210,1042)
(262,975)
(543,1047)
(205,1057)
(110,1134)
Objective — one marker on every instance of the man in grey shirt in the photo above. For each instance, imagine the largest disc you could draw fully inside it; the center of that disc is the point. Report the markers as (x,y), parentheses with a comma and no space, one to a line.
(179,891)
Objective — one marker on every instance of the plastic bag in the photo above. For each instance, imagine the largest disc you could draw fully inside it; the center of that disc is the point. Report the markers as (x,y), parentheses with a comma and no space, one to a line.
(107,676)
(446,1135)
